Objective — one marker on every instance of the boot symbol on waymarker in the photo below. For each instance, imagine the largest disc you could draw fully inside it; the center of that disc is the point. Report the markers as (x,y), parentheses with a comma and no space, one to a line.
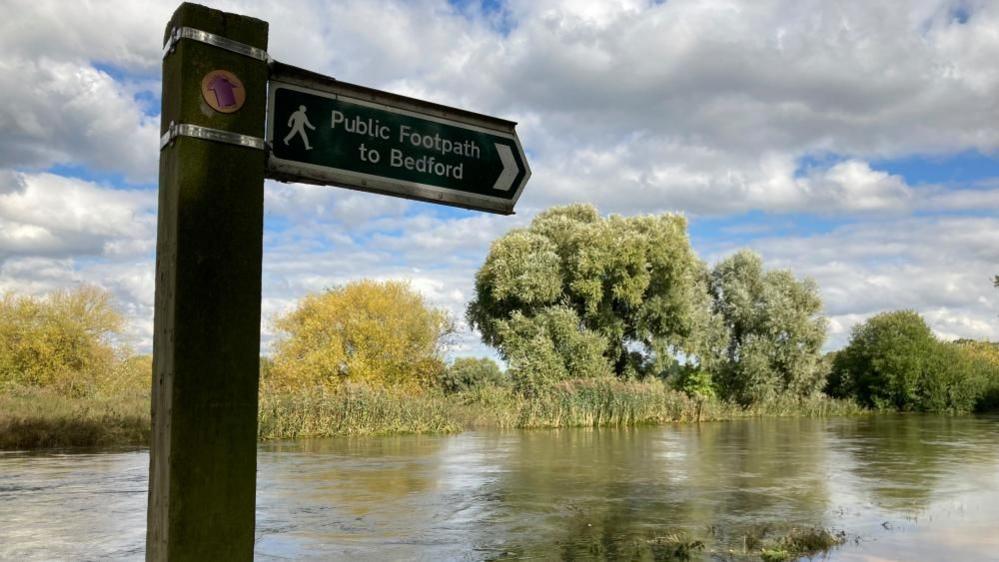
(224,90)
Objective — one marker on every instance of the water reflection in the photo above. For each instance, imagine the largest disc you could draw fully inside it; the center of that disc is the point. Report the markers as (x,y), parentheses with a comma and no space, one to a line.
(910,487)
(901,461)
(611,491)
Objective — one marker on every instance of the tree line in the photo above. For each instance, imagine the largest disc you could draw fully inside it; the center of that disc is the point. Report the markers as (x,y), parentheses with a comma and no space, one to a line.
(575,295)
(572,296)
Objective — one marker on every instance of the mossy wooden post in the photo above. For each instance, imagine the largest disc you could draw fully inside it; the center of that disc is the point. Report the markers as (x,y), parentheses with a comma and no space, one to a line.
(206,345)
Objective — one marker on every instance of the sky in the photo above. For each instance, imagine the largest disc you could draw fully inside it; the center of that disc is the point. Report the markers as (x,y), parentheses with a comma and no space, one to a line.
(853,142)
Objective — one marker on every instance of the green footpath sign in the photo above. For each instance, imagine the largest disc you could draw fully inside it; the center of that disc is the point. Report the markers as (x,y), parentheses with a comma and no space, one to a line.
(324,131)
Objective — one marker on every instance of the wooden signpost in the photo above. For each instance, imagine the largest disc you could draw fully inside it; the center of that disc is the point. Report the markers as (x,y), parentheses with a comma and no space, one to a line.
(232,116)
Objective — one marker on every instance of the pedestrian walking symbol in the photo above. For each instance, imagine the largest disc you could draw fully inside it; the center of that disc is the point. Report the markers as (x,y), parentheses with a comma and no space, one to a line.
(298,122)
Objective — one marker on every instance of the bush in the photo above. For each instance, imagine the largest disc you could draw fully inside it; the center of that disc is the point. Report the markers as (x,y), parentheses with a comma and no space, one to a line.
(377,333)
(894,361)
(984,359)
(951,382)
(470,373)
(696,383)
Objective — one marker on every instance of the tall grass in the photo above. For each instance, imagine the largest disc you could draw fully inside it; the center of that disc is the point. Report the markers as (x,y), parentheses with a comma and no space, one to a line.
(586,402)
(33,418)
(610,402)
(38,417)
(360,410)
(352,410)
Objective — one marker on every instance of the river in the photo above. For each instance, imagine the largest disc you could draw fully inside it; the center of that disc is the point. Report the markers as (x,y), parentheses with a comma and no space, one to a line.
(905,488)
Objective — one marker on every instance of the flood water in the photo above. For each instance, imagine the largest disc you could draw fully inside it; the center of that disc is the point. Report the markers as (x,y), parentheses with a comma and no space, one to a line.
(906,488)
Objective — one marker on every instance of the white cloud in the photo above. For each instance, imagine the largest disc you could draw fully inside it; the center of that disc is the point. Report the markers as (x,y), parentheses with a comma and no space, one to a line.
(705,107)
(302,203)
(117,32)
(854,186)
(57,112)
(941,267)
(47,214)
(58,232)
(745,89)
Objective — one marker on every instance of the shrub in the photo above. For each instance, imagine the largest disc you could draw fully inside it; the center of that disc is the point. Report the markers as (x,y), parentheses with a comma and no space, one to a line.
(550,347)
(894,360)
(984,359)
(696,383)
(886,356)
(951,383)
(470,373)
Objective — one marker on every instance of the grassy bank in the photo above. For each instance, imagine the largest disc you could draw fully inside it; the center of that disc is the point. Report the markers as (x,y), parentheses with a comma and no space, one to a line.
(38,418)
(35,418)
(353,410)
(359,410)
(617,403)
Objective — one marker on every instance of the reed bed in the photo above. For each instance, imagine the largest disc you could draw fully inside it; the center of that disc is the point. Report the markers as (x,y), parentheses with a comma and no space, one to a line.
(352,410)
(35,418)
(360,410)
(609,402)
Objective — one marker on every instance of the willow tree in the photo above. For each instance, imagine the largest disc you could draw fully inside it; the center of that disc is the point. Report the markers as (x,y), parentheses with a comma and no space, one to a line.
(577,295)
(775,330)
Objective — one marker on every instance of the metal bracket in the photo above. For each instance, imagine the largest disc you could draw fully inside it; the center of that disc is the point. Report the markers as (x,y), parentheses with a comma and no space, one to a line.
(207,133)
(179,33)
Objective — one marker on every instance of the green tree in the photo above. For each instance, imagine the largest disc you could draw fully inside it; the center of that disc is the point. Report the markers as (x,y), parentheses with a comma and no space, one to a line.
(952,382)
(550,346)
(984,358)
(469,373)
(884,360)
(371,332)
(575,295)
(694,382)
(775,331)
(67,341)
(894,360)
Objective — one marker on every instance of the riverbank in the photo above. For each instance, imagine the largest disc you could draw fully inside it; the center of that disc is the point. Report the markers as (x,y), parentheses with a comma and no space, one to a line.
(39,418)
(360,410)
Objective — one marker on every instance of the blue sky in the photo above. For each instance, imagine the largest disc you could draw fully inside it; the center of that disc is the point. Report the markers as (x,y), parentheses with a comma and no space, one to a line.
(852,142)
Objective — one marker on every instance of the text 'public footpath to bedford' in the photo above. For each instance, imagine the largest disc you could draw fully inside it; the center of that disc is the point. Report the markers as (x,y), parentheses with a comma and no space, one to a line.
(406,136)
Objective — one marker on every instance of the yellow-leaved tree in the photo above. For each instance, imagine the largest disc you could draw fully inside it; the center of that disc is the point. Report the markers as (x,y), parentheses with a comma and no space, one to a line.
(66,341)
(378,333)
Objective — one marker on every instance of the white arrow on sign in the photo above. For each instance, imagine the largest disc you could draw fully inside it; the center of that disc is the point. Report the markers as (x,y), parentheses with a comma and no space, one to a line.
(510,168)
